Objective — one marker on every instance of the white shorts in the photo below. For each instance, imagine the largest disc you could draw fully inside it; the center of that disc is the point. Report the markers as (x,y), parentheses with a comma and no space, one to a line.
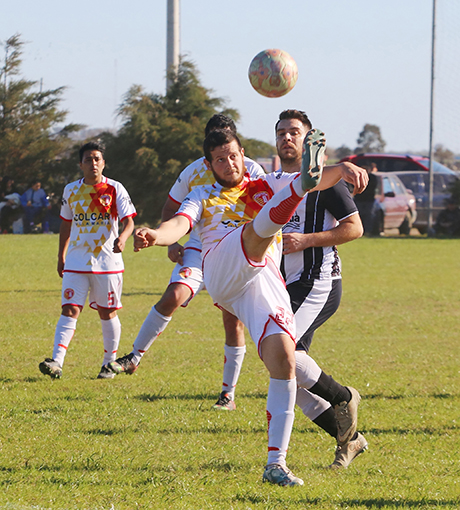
(254,292)
(104,290)
(189,273)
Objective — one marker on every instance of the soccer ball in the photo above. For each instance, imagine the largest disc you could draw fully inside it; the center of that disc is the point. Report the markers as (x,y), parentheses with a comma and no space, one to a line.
(273,73)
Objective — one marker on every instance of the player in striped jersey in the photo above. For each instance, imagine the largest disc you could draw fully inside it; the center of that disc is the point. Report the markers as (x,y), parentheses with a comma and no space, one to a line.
(312,270)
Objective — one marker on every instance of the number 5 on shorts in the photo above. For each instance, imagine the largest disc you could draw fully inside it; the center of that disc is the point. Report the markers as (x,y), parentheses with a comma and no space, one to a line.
(111,299)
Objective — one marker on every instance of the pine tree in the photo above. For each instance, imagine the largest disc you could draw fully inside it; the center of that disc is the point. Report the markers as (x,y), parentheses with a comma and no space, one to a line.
(159,137)
(29,116)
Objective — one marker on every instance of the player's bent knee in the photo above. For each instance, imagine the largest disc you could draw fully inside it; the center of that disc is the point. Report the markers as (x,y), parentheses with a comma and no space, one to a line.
(278,354)
(175,295)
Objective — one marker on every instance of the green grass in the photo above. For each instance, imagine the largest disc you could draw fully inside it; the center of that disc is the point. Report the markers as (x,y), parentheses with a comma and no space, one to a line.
(151,441)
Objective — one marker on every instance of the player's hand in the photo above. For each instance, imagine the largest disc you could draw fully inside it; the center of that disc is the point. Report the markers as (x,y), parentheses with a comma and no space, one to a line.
(294,242)
(355,175)
(176,253)
(60,268)
(143,238)
(118,245)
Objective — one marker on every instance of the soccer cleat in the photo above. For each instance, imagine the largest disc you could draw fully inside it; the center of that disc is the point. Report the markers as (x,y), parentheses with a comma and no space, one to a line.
(224,403)
(123,364)
(51,368)
(280,475)
(313,150)
(106,373)
(345,454)
(346,414)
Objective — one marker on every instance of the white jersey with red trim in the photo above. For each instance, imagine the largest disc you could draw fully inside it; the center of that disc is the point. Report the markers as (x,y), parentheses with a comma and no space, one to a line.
(94,212)
(197,174)
(214,210)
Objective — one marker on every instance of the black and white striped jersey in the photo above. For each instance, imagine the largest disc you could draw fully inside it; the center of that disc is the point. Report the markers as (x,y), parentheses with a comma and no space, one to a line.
(319,211)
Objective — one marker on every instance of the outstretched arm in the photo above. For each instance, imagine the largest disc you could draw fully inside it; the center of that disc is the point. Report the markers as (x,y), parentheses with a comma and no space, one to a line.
(166,234)
(348,172)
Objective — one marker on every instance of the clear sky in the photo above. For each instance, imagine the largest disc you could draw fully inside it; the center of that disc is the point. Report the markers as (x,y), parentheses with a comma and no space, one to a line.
(360,61)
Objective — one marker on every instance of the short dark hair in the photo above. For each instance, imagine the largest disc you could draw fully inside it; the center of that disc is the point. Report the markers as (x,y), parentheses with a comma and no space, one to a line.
(219,121)
(216,138)
(91,146)
(294,114)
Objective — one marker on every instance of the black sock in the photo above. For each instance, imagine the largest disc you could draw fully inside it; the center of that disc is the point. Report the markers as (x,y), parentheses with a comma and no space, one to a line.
(327,422)
(330,390)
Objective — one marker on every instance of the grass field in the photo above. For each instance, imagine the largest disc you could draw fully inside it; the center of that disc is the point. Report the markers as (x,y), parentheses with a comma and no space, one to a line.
(151,441)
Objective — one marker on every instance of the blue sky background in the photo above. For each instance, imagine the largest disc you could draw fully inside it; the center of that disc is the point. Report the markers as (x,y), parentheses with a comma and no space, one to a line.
(360,61)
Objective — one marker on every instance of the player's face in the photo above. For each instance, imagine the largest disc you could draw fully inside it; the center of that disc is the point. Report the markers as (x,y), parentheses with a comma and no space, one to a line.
(289,139)
(92,166)
(227,164)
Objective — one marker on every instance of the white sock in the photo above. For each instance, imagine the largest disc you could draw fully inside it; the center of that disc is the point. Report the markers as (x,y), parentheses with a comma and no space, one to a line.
(65,329)
(278,210)
(312,405)
(233,362)
(111,333)
(307,370)
(280,416)
(153,326)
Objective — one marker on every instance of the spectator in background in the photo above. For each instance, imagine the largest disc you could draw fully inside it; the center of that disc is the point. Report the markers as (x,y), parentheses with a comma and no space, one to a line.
(36,208)
(365,202)
(7,187)
(10,204)
(448,221)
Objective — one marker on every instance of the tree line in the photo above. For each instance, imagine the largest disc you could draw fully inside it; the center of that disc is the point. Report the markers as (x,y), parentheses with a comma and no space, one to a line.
(158,137)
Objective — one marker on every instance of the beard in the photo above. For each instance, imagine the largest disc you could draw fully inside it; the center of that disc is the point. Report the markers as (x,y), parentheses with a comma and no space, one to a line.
(289,157)
(228,183)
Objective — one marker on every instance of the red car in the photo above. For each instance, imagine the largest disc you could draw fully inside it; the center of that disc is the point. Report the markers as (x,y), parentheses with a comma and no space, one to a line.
(413,172)
(395,205)
(396,162)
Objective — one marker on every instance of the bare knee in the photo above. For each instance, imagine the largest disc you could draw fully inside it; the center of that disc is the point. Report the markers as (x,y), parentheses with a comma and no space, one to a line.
(234,330)
(278,354)
(175,295)
(107,314)
(72,311)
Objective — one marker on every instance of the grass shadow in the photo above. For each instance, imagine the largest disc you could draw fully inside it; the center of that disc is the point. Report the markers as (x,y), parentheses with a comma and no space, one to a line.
(399,503)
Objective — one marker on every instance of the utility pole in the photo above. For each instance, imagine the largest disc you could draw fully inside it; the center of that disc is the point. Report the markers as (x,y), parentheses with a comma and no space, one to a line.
(430,188)
(172,41)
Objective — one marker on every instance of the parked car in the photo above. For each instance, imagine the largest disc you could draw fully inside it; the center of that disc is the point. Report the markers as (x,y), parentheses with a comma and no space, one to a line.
(397,162)
(395,205)
(418,183)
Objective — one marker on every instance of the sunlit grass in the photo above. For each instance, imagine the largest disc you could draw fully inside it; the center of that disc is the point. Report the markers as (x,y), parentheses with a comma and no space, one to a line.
(151,441)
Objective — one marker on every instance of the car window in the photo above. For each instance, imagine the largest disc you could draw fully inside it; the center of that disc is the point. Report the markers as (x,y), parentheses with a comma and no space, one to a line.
(437,167)
(441,183)
(387,186)
(388,164)
(411,181)
(399,190)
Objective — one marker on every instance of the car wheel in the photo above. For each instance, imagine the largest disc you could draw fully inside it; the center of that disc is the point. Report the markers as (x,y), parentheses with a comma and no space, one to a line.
(405,226)
(422,230)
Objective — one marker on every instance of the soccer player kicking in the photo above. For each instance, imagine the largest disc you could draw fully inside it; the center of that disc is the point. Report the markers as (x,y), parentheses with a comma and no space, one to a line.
(239,223)
(89,259)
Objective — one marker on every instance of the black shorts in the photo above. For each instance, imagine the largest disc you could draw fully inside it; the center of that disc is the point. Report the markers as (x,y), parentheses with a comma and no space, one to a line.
(313,302)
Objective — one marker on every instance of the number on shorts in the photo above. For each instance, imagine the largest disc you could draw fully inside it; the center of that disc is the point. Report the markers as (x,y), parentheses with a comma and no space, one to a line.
(111,298)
